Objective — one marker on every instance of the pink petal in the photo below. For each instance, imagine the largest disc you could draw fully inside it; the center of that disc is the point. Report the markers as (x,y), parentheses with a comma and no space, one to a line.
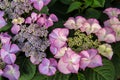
(84,62)
(1,13)
(52,71)
(48,23)
(14,48)
(2,22)
(15,29)
(53,17)
(62,67)
(53,49)
(28,20)
(38,5)
(10,58)
(73,68)
(80,21)
(95,62)
(34,16)
(46,2)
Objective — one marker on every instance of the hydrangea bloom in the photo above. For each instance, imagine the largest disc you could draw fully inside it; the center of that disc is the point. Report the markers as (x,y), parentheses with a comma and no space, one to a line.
(69,63)
(106,50)
(75,23)
(48,66)
(2,20)
(90,59)
(11,72)
(8,51)
(112,12)
(58,37)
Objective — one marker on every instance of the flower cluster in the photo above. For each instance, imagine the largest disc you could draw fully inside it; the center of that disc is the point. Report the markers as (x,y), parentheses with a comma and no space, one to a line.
(8,68)
(89,42)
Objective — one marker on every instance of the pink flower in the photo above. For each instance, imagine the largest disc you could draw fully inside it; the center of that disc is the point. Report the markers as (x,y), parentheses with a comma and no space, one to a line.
(1,72)
(91,26)
(69,63)
(106,34)
(48,66)
(15,29)
(2,20)
(112,21)
(90,59)
(38,4)
(11,72)
(5,38)
(8,51)
(75,23)
(58,37)
(112,12)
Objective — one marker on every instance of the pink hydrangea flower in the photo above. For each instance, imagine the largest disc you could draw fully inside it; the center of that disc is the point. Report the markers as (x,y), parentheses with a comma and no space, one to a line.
(5,38)
(112,12)
(91,26)
(48,66)
(2,20)
(90,59)
(106,50)
(69,63)
(8,51)
(58,37)
(39,4)
(11,72)
(106,34)
(111,22)
(75,23)
(15,29)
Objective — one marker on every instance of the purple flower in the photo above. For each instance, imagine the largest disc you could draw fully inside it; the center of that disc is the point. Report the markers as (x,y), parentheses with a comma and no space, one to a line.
(58,37)
(1,72)
(112,12)
(15,29)
(69,63)
(48,66)
(91,26)
(75,23)
(5,38)
(8,51)
(90,59)
(11,72)
(106,34)
(2,21)
(38,4)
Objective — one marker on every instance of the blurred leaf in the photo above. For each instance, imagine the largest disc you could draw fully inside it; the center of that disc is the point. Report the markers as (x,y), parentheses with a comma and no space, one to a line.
(105,72)
(52,2)
(98,3)
(73,77)
(74,6)
(27,69)
(45,10)
(116,62)
(57,76)
(88,2)
(81,76)
(116,48)
(6,27)
(92,13)
(67,2)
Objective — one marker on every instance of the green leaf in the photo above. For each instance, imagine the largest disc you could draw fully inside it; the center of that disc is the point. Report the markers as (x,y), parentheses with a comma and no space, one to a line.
(81,76)
(92,13)
(98,3)
(105,72)
(52,2)
(27,69)
(88,2)
(57,76)
(45,10)
(116,48)
(116,62)
(67,2)
(6,27)
(74,6)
